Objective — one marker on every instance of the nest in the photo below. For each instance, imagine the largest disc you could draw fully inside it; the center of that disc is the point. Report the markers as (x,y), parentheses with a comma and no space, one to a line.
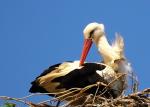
(138,99)
(77,97)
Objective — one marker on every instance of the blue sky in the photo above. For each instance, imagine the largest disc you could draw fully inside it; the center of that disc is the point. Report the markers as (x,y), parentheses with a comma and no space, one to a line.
(35,34)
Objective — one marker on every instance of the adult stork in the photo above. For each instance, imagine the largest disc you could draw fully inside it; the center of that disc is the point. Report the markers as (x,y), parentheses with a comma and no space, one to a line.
(113,56)
(77,74)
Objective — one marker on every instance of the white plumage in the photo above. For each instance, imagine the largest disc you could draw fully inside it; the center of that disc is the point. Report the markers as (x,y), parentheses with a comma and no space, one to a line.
(113,56)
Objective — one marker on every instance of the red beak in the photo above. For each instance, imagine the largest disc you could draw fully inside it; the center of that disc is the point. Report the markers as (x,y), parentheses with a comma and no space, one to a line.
(86,47)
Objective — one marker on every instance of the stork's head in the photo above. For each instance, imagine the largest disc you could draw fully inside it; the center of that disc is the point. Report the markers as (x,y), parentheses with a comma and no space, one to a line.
(92,33)
(93,30)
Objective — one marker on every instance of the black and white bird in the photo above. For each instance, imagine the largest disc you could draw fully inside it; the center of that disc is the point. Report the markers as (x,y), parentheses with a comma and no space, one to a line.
(112,54)
(77,74)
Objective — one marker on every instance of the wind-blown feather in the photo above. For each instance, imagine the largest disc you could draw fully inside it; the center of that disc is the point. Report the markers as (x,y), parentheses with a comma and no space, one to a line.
(118,45)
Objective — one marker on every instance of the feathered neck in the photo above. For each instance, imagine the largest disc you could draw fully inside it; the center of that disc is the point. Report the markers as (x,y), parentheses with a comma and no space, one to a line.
(106,50)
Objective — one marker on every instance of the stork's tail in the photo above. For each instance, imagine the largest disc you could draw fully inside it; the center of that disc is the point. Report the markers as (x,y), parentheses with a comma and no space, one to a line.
(36,88)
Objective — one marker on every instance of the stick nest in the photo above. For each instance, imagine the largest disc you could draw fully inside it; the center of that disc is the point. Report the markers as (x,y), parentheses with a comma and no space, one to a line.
(138,99)
(77,97)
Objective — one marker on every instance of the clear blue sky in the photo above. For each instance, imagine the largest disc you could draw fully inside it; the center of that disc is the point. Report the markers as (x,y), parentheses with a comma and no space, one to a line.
(35,34)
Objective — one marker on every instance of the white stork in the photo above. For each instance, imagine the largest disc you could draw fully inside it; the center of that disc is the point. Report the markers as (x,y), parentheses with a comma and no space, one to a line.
(77,74)
(113,56)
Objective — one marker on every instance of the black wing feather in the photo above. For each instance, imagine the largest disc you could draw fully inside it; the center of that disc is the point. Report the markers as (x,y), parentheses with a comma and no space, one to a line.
(78,78)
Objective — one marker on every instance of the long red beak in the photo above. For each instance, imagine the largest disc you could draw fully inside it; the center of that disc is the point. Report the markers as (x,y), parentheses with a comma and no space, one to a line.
(86,47)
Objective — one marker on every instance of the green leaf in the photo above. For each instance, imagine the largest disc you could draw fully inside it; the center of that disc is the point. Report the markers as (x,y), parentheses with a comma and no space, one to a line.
(8,105)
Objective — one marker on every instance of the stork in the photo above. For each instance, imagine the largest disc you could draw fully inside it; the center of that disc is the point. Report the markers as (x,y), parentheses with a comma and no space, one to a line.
(113,56)
(77,74)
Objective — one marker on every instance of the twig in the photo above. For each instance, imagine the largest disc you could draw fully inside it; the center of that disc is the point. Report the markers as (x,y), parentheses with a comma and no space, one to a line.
(98,84)
(72,101)
(66,94)
(15,99)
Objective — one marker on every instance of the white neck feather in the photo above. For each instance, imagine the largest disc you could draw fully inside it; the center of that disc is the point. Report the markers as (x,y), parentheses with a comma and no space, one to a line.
(106,50)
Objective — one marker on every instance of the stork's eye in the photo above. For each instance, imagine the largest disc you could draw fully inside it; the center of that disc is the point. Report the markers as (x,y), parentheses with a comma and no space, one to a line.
(91,33)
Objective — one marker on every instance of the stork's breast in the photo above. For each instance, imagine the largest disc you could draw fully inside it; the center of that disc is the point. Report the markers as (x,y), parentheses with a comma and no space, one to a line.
(108,73)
